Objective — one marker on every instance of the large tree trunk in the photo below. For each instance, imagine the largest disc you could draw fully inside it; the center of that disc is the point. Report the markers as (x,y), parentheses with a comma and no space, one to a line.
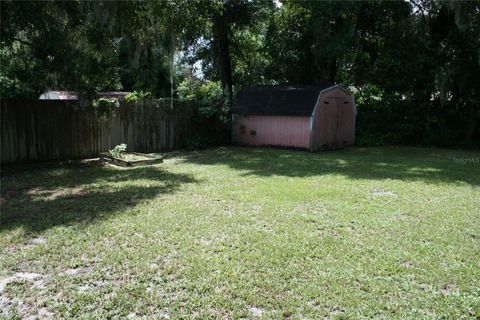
(224,63)
(326,70)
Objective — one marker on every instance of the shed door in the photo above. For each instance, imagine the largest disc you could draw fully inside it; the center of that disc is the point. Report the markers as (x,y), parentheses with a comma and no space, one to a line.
(326,126)
(345,122)
(334,124)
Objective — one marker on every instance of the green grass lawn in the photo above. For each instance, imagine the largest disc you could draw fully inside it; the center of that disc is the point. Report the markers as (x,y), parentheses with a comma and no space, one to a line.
(246,233)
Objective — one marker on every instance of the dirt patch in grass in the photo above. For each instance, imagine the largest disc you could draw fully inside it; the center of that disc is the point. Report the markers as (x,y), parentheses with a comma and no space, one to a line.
(19,277)
(76,271)
(37,241)
(383,193)
(255,311)
(49,195)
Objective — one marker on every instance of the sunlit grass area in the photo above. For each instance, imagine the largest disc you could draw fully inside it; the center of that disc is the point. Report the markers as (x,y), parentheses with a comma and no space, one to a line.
(246,233)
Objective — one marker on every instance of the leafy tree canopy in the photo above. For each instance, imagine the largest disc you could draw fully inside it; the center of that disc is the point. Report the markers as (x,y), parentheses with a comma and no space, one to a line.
(414,66)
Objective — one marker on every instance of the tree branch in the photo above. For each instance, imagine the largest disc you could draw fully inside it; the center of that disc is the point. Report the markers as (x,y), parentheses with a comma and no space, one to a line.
(28,43)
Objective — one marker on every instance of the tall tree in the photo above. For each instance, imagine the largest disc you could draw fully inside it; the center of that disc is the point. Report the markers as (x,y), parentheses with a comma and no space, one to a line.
(212,38)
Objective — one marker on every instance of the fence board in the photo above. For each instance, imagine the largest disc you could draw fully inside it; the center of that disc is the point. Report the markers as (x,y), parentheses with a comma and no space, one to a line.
(42,130)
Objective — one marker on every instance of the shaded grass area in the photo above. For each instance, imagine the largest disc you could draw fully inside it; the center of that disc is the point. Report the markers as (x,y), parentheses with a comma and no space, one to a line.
(428,165)
(43,197)
(248,233)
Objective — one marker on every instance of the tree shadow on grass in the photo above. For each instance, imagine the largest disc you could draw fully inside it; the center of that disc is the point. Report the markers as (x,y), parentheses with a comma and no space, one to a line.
(429,165)
(38,198)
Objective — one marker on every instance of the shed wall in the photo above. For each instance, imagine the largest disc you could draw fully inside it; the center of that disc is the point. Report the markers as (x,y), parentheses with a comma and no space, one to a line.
(285,131)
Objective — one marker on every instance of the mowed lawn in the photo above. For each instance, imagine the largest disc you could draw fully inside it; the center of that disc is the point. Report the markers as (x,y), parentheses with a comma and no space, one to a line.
(251,233)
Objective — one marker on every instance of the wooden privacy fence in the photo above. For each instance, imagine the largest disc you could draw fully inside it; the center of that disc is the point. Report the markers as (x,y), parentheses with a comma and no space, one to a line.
(42,130)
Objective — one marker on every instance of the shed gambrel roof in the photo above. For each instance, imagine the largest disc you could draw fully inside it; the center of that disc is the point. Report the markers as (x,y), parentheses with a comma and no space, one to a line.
(294,100)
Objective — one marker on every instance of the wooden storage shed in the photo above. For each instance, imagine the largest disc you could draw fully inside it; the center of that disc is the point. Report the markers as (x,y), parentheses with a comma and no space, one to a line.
(306,117)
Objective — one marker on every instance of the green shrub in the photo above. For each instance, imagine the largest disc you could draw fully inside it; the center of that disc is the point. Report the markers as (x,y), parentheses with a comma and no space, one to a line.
(204,93)
(212,119)
(106,106)
(394,120)
(118,151)
(137,96)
